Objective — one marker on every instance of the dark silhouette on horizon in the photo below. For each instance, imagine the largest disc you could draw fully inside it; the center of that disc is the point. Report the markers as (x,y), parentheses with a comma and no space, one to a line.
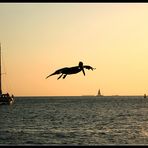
(71,70)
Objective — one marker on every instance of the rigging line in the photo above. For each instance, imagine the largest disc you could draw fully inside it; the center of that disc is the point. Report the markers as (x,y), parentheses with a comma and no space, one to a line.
(7,85)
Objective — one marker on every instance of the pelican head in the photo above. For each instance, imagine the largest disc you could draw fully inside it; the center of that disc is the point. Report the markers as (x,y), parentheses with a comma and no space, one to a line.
(81,67)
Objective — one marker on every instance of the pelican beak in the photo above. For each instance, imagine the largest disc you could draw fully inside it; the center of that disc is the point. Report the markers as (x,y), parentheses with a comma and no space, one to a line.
(83,71)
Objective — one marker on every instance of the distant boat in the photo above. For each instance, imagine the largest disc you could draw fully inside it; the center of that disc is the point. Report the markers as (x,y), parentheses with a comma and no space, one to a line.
(99,93)
(4,98)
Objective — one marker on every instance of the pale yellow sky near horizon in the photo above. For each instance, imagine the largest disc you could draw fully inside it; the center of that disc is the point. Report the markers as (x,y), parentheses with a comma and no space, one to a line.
(39,38)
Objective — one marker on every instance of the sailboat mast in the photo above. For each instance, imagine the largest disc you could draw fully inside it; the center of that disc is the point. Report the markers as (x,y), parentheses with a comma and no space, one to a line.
(0,72)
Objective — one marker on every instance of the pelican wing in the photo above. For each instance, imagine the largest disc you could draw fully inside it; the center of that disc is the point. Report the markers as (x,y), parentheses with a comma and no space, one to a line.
(88,67)
(56,72)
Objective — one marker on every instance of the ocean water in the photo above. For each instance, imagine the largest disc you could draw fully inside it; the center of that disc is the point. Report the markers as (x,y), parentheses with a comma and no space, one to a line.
(84,120)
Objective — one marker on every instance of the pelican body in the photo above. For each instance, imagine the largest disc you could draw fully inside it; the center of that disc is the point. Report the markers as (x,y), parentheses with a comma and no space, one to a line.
(71,70)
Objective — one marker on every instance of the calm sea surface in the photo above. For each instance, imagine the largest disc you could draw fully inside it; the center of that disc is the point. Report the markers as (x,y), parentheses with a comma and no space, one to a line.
(82,120)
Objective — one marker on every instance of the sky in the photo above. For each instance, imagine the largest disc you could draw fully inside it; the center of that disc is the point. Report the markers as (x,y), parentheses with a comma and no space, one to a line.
(39,38)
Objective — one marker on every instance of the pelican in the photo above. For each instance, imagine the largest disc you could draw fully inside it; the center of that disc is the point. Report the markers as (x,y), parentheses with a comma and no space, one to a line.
(71,70)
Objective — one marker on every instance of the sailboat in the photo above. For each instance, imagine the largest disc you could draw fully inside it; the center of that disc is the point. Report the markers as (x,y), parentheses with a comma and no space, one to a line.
(99,93)
(4,98)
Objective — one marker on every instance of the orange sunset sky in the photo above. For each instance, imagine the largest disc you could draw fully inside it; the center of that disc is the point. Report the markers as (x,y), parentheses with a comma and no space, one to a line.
(39,38)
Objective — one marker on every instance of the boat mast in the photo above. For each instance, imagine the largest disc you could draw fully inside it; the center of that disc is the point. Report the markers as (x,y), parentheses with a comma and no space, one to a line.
(0,72)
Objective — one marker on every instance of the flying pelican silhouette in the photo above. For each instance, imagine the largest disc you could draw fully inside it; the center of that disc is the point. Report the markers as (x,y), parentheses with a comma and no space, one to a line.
(71,70)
